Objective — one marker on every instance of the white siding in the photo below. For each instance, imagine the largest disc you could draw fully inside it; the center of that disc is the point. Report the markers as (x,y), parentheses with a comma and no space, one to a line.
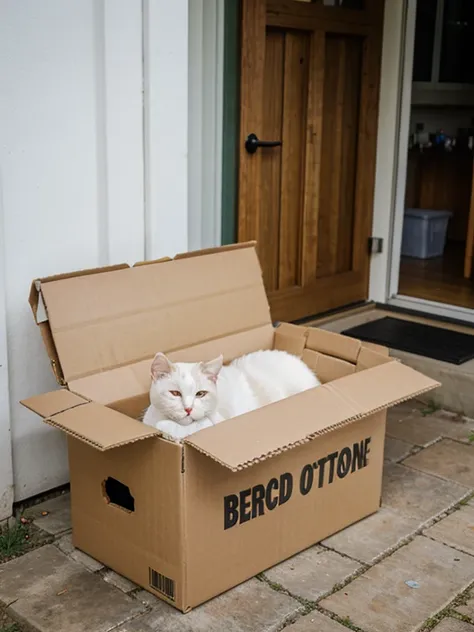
(71,160)
(93,170)
(205,106)
(166,126)
(6,471)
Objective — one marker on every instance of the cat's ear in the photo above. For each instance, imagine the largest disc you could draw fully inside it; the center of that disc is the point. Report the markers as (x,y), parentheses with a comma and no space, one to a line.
(160,367)
(211,369)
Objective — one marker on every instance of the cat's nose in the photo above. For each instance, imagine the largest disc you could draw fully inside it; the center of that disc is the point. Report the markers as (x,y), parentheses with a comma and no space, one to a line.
(188,411)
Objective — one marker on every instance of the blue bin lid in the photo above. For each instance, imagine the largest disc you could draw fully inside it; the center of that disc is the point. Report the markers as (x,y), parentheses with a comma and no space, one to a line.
(426,213)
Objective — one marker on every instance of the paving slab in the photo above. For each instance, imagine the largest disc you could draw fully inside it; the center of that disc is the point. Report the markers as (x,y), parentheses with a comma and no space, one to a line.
(422,430)
(52,593)
(380,600)
(147,598)
(457,530)
(66,546)
(58,515)
(417,494)
(468,607)
(312,573)
(453,625)
(405,409)
(251,607)
(316,622)
(372,537)
(396,449)
(120,582)
(449,459)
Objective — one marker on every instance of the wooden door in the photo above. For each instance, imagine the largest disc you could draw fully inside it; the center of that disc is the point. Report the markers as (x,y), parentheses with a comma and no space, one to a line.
(310,80)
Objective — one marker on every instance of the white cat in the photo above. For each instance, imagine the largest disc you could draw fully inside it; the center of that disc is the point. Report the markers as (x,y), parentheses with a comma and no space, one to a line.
(186,397)
(183,396)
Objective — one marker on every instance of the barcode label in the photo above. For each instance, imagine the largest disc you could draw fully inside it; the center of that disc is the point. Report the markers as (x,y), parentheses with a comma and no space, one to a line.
(162,584)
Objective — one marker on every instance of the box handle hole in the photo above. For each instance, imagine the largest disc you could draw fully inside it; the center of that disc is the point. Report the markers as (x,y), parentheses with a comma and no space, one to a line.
(118,494)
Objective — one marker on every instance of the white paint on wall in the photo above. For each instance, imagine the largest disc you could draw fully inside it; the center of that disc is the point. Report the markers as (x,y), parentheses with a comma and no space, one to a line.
(205,111)
(166,126)
(119,44)
(6,468)
(94,162)
(71,160)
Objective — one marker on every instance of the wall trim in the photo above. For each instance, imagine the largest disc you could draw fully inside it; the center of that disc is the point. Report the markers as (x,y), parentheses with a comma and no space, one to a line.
(6,465)
(119,82)
(387,145)
(231,120)
(165,85)
(402,148)
(205,116)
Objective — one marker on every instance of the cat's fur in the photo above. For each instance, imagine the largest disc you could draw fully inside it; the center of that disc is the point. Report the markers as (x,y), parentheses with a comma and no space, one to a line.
(186,397)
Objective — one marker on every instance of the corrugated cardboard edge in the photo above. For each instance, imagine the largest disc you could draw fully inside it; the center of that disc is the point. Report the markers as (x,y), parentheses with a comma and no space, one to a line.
(211,251)
(34,296)
(295,338)
(51,422)
(44,326)
(51,406)
(54,402)
(308,438)
(191,441)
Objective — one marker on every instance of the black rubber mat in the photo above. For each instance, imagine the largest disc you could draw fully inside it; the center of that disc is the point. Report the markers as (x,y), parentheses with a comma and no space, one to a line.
(423,340)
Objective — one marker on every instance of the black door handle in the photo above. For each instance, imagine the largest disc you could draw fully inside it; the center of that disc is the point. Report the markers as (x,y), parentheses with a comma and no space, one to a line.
(253,143)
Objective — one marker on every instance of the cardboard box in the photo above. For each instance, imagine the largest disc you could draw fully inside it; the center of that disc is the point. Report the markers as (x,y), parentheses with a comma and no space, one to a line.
(189,521)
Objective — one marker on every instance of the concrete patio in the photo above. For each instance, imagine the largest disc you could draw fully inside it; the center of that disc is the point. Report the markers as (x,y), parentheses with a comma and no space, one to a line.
(409,567)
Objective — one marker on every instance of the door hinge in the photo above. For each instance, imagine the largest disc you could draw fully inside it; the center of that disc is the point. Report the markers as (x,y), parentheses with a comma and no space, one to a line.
(375,245)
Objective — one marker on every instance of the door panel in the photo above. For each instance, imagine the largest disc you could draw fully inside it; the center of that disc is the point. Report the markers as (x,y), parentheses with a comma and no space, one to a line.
(339,148)
(269,220)
(295,88)
(310,80)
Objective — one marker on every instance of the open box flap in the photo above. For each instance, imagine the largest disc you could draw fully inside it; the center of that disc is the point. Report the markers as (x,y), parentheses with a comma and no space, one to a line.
(133,380)
(261,434)
(99,320)
(91,423)
(52,403)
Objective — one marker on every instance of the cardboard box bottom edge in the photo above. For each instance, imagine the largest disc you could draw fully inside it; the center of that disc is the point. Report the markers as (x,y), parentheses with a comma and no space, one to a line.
(197,562)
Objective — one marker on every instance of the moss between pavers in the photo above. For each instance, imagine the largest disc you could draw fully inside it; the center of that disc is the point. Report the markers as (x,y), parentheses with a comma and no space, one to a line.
(11,628)
(20,538)
(450,611)
(7,624)
(310,606)
(430,408)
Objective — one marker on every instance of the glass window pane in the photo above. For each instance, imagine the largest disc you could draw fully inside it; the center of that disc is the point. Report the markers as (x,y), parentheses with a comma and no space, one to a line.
(424,39)
(457,45)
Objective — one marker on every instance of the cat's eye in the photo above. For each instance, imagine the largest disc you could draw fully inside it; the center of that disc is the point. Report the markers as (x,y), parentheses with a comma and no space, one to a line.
(201,393)
(175,393)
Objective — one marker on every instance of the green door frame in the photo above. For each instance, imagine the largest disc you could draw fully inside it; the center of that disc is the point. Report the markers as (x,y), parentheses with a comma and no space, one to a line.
(230,131)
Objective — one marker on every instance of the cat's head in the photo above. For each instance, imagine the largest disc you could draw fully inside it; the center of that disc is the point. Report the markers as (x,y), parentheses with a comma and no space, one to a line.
(183,391)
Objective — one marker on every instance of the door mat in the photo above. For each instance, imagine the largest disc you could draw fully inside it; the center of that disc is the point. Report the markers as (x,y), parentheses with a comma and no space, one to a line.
(423,340)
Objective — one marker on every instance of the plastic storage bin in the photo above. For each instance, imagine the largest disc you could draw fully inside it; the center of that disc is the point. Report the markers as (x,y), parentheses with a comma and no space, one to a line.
(424,232)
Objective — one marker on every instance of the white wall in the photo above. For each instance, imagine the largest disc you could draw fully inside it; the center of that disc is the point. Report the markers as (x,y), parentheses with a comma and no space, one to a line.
(94,163)
(165,48)
(71,167)
(205,115)
(6,470)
